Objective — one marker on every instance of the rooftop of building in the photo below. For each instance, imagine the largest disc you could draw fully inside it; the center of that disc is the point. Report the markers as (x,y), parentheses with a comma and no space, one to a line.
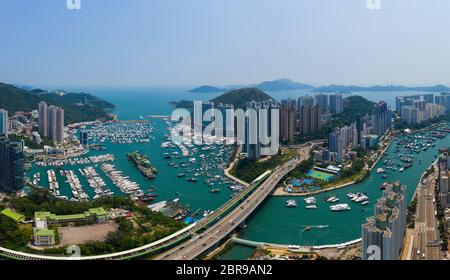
(8,212)
(43,232)
(93,212)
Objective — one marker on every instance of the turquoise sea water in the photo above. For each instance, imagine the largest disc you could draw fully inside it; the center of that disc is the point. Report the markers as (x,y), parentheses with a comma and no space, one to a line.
(272,222)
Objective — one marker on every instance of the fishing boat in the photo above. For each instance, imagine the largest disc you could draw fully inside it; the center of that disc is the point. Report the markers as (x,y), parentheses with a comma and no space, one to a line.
(408,165)
(146,198)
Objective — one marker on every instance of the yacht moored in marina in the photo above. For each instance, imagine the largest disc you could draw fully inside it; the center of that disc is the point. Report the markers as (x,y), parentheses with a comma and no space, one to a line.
(340,207)
(291,203)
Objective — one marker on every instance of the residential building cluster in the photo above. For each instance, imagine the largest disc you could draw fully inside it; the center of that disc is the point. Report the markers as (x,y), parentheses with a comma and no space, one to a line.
(365,133)
(443,180)
(305,117)
(252,145)
(383,234)
(51,122)
(415,109)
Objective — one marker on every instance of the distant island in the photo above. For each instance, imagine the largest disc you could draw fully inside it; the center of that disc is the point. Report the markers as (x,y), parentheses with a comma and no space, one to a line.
(289,85)
(207,89)
(276,85)
(283,85)
(347,89)
(78,107)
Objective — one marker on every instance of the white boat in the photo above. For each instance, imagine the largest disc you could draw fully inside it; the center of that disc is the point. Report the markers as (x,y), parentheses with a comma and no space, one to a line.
(380,170)
(311,206)
(310,200)
(362,198)
(291,203)
(339,207)
(332,199)
(365,202)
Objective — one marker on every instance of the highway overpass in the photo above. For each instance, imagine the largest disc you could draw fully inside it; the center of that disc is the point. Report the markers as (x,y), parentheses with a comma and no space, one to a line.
(197,238)
(200,242)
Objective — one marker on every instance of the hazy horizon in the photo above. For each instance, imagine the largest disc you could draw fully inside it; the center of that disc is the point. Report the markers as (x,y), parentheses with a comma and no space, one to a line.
(175,43)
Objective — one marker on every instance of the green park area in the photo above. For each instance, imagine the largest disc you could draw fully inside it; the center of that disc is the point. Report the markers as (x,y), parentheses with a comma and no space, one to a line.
(142,228)
(249,170)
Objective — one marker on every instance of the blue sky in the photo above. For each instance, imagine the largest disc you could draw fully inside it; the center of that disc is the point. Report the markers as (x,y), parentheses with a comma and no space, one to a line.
(192,42)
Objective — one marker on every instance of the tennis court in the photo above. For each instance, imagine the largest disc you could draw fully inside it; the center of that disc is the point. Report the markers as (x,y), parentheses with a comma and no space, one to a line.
(320,175)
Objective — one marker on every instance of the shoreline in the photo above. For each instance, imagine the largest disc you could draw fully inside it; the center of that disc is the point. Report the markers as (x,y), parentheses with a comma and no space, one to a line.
(231,165)
(280,192)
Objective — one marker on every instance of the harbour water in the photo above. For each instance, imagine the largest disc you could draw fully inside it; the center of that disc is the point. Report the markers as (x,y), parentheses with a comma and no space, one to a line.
(197,195)
(273,222)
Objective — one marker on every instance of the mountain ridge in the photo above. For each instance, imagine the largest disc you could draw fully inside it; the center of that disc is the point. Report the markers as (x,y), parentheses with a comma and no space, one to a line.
(78,107)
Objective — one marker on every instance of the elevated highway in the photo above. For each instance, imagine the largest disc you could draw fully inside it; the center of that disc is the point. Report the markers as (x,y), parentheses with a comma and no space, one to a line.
(197,238)
(203,240)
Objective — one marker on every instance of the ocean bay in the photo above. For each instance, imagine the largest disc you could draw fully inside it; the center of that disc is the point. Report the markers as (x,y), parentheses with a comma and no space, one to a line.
(273,222)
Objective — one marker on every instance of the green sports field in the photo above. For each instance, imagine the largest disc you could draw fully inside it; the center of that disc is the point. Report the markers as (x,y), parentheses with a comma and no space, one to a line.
(320,175)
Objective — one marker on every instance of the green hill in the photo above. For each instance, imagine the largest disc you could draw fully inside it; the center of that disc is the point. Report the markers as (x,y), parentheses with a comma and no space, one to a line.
(353,106)
(239,97)
(207,89)
(283,85)
(77,107)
